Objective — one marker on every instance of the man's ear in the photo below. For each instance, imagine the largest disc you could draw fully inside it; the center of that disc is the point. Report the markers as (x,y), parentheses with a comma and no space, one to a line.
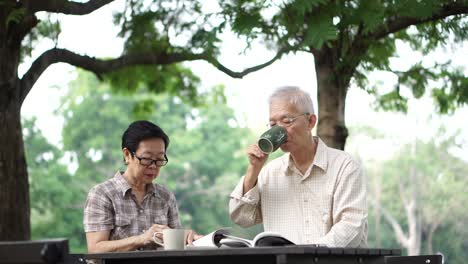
(312,121)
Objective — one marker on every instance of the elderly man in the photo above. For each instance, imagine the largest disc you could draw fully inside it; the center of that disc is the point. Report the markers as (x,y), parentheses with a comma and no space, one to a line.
(312,194)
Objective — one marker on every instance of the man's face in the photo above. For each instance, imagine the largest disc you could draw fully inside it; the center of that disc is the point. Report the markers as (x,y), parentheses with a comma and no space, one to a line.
(298,130)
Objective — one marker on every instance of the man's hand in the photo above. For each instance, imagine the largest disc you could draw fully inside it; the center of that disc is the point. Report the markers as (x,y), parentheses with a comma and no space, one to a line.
(256,157)
(256,161)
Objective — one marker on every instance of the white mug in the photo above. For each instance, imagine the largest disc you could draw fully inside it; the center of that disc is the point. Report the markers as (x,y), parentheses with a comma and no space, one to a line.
(173,239)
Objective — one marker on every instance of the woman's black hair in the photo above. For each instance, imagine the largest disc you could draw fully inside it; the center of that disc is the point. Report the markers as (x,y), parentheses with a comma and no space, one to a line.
(139,131)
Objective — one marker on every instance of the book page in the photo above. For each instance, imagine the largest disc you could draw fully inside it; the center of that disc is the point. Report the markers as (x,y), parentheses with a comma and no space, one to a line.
(206,241)
(270,239)
(235,242)
(211,239)
(232,239)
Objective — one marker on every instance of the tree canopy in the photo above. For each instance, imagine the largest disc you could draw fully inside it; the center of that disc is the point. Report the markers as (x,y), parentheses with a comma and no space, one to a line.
(348,39)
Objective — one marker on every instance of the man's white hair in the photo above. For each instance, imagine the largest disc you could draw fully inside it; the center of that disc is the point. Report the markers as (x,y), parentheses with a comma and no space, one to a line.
(294,96)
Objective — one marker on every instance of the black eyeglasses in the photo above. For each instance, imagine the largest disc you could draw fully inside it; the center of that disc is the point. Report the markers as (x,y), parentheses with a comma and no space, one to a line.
(147,162)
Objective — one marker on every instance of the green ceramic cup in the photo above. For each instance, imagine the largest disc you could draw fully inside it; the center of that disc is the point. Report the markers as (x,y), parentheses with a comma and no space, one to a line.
(272,139)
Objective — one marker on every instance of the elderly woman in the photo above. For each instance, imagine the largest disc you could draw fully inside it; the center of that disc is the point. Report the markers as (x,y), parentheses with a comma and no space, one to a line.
(124,212)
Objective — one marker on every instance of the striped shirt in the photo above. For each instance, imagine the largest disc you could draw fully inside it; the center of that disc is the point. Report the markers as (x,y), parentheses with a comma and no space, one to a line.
(111,206)
(325,205)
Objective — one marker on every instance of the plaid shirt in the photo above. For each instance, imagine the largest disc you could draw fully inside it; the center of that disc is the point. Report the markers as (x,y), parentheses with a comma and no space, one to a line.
(111,206)
(325,205)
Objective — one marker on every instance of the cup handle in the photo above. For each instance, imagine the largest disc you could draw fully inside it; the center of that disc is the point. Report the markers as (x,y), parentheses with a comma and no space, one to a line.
(157,240)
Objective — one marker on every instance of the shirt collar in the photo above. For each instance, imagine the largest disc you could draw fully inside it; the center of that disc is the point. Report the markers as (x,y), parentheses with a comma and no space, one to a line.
(320,158)
(124,186)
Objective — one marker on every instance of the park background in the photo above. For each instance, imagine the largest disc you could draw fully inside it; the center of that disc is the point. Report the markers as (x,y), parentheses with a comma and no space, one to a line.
(72,125)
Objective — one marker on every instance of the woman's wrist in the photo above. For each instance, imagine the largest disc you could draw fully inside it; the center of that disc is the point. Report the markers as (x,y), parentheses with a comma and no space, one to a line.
(141,241)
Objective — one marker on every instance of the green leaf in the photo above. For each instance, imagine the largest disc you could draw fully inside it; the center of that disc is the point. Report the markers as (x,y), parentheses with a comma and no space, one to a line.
(419,9)
(320,29)
(370,13)
(15,16)
(172,79)
(393,101)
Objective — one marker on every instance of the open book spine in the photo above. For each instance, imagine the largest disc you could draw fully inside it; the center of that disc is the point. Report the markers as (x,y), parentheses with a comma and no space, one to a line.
(217,237)
(233,241)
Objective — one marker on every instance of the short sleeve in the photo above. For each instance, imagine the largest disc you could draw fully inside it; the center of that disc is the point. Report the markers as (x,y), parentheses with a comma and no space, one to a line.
(98,212)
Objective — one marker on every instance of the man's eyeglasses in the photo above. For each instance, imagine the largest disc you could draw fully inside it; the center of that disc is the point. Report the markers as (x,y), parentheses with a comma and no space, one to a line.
(285,121)
(147,162)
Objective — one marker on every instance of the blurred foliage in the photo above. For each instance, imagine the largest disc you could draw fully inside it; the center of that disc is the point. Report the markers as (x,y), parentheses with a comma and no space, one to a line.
(173,79)
(439,185)
(56,196)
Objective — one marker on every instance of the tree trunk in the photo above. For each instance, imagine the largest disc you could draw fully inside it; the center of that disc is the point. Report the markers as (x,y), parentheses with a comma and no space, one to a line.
(413,215)
(430,236)
(331,96)
(377,186)
(14,187)
(414,230)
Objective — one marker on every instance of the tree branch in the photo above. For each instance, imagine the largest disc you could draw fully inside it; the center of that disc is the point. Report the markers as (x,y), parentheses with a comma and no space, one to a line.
(100,67)
(414,220)
(432,228)
(400,235)
(402,191)
(65,6)
(23,28)
(241,74)
(397,23)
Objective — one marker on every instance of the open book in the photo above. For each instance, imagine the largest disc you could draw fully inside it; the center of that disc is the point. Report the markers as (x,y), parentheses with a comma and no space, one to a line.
(212,239)
(222,238)
(263,239)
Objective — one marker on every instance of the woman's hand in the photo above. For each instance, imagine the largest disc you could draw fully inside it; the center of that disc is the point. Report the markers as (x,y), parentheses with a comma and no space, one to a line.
(192,236)
(149,234)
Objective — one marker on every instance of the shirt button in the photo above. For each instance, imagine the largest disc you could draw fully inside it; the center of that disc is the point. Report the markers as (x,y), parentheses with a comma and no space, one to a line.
(307,221)
(325,217)
(305,200)
(141,211)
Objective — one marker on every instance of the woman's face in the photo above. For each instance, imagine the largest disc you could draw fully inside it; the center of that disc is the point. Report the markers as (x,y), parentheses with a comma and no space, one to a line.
(153,149)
